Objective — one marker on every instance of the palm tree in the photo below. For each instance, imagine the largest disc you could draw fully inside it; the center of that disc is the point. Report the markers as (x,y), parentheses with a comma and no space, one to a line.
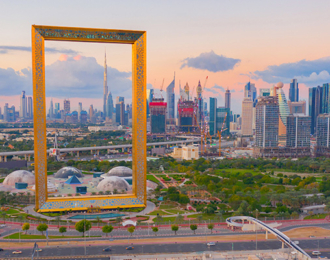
(219,215)
(179,218)
(98,220)
(57,218)
(119,220)
(4,216)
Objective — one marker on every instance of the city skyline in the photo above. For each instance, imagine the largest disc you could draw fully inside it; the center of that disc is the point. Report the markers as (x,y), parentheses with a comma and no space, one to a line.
(229,61)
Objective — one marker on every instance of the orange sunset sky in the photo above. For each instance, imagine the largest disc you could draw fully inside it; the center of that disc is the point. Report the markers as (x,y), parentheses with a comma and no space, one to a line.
(231,42)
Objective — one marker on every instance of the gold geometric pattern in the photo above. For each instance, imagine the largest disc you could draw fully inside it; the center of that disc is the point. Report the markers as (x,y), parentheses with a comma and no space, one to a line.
(138,41)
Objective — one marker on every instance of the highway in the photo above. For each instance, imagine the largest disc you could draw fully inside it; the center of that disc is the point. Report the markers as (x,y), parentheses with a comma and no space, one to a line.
(69,250)
(224,144)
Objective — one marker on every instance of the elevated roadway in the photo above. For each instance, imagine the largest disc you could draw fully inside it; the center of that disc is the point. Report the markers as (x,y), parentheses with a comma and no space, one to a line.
(282,237)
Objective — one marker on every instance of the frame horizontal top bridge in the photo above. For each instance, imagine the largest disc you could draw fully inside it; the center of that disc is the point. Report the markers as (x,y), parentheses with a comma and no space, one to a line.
(55,33)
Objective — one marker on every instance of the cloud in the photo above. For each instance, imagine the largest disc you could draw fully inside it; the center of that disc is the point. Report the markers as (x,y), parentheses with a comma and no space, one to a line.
(211,62)
(309,72)
(241,90)
(211,90)
(5,49)
(232,90)
(222,89)
(68,78)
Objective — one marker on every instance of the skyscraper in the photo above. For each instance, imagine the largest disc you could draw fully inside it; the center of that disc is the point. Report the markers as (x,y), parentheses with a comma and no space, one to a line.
(267,116)
(298,130)
(105,87)
(227,98)
(294,91)
(109,106)
(315,105)
(51,109)
(284,112)
(213,116)
(79,110)
(247,117)
(30,108)
(5,113)
(150,95)
(223,120)
(122,112)
(170,99)
(66,106)
(91,112)
(250,91)
(22,109)
(57,108)
(323,135)
(325,107)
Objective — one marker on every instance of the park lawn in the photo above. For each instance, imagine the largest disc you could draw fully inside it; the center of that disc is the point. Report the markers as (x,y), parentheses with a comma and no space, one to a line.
(1,180)
(318,216)
(209,216)
(152,178)
(50,173)
(160,212)
(172,219)
(10,211)
(234,171)
(24,236)
(175,211)
(168,205)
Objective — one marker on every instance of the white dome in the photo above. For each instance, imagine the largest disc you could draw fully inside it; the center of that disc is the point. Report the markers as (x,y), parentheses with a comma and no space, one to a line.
(19,176)
(113,183)
(120,171)
(68,171)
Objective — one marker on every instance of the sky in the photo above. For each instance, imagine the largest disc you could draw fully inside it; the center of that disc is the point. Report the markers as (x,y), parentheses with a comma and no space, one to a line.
(230,42)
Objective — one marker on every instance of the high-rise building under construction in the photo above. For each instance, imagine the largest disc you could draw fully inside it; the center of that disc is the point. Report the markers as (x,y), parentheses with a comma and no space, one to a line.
(158,115)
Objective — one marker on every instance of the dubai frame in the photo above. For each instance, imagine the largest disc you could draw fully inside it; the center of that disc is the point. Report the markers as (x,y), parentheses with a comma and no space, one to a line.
(138,41)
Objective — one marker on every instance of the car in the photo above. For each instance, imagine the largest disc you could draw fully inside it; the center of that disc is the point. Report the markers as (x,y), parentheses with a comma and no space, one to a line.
(107,249)
(316,253)
(39,250)
(17,252)
(3,225)
(311,236)
(296,242)
(1,249)
(211,244)
(130,248)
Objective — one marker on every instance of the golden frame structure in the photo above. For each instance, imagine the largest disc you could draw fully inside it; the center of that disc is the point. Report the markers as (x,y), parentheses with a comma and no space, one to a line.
(138,41)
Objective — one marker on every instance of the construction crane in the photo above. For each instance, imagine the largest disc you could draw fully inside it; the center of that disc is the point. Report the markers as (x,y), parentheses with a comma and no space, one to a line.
(220,132)
(161,87)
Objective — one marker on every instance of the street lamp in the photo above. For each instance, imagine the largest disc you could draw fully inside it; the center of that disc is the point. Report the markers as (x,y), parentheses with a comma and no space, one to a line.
(205,232)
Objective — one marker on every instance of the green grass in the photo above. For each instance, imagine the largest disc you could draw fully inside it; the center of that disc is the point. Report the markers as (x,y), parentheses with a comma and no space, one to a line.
(23,236)
(208,216)
(160,212)
(168,206)
(1,180)
(10,211)
(172,219)
(175,211)
(318,216)
(50,173)
(152,178)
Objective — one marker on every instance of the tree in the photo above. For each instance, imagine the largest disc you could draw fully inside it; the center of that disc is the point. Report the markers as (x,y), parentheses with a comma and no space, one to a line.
(159,218)
(26,227)
(119,220)
(107,229)
(98,220)
(62,230)
(210,226)
(175,228)
(327,208)
(42,227)
(179,218)
(193,227)
(4,216)
(200,218)
(83,226)
(131,229)
(155,229)
(219,215)
(57,219)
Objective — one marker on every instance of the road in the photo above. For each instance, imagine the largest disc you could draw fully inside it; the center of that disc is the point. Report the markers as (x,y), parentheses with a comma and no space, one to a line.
(310,244)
